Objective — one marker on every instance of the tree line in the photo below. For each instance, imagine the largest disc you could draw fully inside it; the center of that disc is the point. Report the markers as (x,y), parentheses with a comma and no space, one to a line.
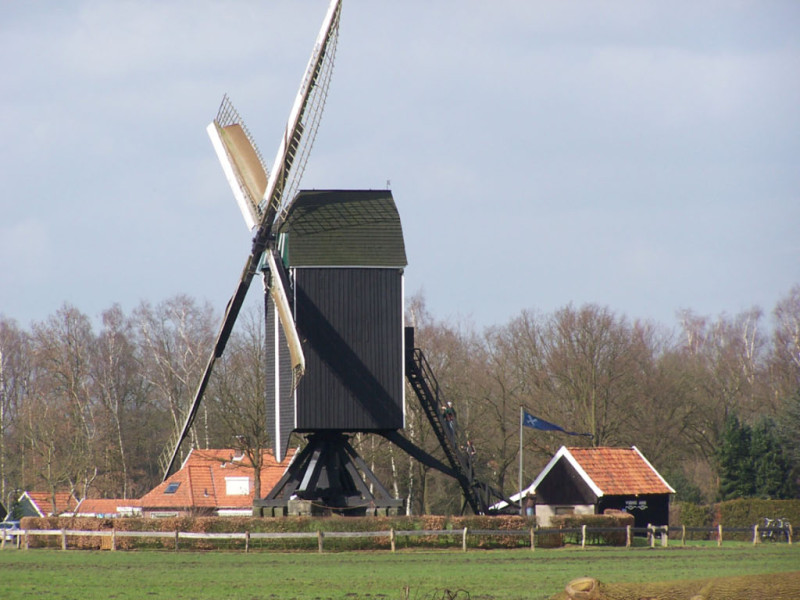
(714,403)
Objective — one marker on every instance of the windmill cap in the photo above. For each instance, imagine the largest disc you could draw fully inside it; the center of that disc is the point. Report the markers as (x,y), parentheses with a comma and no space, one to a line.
(344,228)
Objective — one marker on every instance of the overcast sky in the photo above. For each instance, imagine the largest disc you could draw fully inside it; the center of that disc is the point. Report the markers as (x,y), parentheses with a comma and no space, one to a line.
(639,155)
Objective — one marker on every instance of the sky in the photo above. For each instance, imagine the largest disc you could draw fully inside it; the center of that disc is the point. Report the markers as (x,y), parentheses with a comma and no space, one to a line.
(638,155)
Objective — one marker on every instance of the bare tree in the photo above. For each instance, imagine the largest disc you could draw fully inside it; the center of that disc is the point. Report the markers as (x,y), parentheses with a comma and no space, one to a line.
(174,340)
(119,386)
(63,347)
(785,355)
(725,358)
(16,373)
(590,371)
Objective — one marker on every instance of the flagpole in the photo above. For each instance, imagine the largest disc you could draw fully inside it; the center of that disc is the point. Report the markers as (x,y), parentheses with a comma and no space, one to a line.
(521,505)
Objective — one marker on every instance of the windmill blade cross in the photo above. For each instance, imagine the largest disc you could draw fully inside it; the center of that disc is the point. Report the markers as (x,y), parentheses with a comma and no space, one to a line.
(290,159)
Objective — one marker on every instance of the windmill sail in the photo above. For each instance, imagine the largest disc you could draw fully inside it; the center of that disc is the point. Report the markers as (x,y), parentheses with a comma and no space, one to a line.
(277,290)
(304,118)
(239,163)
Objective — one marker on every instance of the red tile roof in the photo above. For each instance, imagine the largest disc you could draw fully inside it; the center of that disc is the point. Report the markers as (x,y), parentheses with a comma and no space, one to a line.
(106,506)
(203,480)
(617,471)
(44,502)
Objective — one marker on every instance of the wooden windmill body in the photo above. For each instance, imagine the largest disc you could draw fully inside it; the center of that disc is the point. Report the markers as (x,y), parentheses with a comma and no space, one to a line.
(345,257)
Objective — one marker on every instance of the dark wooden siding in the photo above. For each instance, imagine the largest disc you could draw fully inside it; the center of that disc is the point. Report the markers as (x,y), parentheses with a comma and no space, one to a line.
(351,323)
(563,485)
(647,509)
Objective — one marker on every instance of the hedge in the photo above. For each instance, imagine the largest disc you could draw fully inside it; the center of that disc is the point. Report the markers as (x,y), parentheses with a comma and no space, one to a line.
(284,525)
(744,512)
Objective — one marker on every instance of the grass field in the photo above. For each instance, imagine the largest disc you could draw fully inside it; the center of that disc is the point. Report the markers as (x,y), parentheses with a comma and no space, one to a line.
(495,574)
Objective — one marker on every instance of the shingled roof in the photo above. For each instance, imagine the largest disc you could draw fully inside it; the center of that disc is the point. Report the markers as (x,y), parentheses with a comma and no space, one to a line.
(344,228)
(611,471)
(108,507)
(41,503)
(607,471)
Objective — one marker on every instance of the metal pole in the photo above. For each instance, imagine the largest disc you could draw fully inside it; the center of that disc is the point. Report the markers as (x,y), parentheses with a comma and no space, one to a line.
(521,504)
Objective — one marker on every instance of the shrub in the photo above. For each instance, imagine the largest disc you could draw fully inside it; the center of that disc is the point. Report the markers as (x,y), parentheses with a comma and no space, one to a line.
(613,521)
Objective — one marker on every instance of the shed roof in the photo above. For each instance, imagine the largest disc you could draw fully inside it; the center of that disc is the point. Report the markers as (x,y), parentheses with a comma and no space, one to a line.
(42,502)
(618,471)
(344,228)
(607,471)
(107,506)
(611,471)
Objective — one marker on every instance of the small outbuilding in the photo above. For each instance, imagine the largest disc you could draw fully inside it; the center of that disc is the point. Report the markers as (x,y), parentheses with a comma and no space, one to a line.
(45,504)
(593,480)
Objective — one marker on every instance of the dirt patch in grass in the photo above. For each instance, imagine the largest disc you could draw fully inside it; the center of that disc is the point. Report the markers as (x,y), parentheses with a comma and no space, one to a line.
(747,587)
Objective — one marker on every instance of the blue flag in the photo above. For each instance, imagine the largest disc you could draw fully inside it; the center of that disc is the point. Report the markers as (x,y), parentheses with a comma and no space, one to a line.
(536,423)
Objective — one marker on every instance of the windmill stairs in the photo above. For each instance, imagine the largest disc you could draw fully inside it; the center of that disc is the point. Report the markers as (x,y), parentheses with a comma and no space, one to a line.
(460,462)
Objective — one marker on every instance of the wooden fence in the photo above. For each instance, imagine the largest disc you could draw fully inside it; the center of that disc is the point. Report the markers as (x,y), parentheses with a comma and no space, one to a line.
(21,538)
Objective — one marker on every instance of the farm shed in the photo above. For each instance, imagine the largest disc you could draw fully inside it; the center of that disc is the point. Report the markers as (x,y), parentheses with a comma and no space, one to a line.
(41,504)
(593,480)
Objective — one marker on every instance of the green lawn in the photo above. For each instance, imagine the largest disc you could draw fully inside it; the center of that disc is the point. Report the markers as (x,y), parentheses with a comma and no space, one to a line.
(494,574)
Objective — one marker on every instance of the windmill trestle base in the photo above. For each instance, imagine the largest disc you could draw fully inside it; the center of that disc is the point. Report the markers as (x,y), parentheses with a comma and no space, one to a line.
(328,477)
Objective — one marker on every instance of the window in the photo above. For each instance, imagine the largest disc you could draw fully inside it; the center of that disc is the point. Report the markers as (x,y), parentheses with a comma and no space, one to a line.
(172,487)
(237,486)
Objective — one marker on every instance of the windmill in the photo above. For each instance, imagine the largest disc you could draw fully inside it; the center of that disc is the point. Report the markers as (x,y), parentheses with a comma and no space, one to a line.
(262,197)
(337,351)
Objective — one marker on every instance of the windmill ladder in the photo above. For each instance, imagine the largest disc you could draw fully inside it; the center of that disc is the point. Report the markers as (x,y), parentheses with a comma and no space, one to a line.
(420,375)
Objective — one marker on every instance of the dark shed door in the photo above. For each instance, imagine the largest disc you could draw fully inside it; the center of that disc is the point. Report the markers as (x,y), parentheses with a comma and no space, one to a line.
(351,323)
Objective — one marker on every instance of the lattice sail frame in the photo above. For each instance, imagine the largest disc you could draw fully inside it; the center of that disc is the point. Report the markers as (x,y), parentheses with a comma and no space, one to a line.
(236,156)
(313,106)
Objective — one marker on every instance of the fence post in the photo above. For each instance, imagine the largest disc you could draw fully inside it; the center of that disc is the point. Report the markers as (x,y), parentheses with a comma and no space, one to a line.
(651,535)
(755,534)
(246,542)
(790,534)
(113,539)
(27,541)
(583,536)
(319,540)
(719,534)
(63,540)
(628,536)
(533,543)
(392,539)
(683,535)
(3,542)
(665,536)
(176,540)
(464,540)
